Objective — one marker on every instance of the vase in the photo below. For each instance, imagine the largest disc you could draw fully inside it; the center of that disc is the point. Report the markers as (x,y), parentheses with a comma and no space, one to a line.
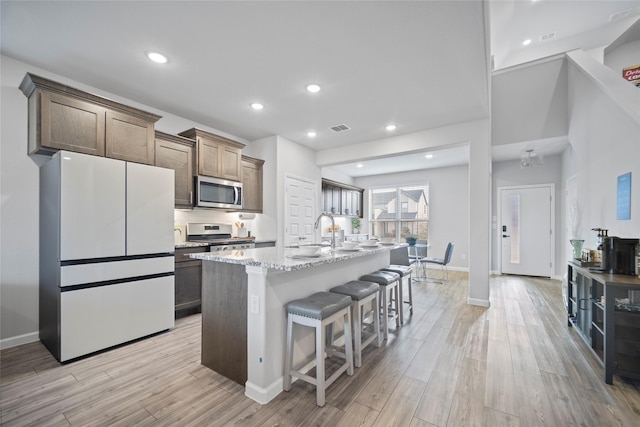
(577,248)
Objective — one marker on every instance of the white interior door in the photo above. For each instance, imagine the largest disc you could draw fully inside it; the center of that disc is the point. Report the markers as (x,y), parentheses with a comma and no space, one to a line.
(300,210)
(527,230)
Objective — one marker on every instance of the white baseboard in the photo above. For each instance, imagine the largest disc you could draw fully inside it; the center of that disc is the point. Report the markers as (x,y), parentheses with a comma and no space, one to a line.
(479,302)
(19,340)
(263,395)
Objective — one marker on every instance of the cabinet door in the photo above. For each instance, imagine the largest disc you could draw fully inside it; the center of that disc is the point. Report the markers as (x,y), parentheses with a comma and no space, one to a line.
(209,156)
(129,138)
(70,124)
(335,200)
(230,166)
(188,292)
(356,203)
(179,157)
(252,186)
(346,202)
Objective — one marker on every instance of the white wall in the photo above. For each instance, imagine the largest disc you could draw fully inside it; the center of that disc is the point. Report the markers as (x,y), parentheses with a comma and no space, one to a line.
(529,102)
(298,161)
(624,56)
(509,173)
(448,206)
(19,228)
(604,130)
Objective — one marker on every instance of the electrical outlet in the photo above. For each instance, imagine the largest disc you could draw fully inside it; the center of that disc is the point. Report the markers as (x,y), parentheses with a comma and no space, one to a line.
(255,304)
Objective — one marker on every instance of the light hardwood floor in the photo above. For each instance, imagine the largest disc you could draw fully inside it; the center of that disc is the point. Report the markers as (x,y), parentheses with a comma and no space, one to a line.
(453,364)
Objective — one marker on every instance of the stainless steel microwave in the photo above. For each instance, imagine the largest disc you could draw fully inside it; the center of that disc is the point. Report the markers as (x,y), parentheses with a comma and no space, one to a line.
(218,193)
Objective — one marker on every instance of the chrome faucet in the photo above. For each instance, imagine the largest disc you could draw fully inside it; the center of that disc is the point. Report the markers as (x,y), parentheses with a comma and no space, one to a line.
(333,227)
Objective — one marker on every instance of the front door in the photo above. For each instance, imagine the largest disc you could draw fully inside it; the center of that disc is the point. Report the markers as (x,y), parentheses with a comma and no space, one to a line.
(527,230)
(300,210)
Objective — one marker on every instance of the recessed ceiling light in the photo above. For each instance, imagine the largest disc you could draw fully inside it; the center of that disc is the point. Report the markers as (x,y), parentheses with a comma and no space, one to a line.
(359,165)
(313,88)
(429,156)
(526,42)
(157,57)
(391,127)
(311,134)
(257,106)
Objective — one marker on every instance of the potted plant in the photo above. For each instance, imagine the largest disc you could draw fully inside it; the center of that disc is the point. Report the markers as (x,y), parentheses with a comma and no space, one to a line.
(411,240)
(355,224)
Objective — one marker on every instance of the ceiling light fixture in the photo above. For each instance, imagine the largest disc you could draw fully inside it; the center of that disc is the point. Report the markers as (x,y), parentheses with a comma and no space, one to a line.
(311,134)
(529,158)
(313,88)
(429,156)
(257,106)
(391,128)
(359,165)
(526,42)
(157,57)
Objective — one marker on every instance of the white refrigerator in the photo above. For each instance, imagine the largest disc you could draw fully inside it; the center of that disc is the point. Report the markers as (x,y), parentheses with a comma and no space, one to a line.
(106,253)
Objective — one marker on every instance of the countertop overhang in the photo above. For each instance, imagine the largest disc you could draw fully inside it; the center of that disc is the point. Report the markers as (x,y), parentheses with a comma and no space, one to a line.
(288,259)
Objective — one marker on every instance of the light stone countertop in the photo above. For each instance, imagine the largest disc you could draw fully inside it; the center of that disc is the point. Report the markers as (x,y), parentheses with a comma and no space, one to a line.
(204,244)
(287,259)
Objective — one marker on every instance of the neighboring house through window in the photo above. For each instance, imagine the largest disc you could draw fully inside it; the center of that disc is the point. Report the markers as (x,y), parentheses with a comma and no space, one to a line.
(400,212)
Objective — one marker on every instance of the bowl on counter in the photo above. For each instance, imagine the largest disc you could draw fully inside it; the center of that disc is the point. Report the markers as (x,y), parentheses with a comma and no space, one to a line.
(309,250)
(349,244)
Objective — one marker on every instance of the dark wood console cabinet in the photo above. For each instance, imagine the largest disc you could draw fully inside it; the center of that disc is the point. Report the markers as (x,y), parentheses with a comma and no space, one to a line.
(610,328)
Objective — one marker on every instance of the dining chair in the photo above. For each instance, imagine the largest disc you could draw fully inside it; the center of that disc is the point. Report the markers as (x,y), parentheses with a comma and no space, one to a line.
(442,262)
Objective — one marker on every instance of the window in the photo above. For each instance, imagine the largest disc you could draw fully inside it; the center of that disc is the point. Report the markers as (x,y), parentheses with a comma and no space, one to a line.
(400,212)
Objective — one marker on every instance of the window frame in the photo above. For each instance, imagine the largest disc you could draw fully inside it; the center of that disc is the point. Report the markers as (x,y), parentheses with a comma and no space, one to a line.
(398,220)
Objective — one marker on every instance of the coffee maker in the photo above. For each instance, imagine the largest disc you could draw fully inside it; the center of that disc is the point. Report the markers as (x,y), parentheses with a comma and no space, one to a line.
(620,256)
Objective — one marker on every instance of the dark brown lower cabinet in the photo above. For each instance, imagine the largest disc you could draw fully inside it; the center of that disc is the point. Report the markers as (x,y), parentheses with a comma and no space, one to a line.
(188,282)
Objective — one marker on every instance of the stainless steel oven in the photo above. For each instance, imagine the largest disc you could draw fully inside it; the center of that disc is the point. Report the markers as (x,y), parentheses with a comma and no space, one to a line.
(218,236)
(218,193)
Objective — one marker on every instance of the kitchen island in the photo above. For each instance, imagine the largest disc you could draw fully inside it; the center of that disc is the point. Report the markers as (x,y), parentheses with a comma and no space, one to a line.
(243,316)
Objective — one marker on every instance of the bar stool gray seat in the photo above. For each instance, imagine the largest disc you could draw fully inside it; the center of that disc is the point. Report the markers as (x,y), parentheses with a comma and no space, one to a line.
(362,293)
(403,271)
(389,286)
(318,311)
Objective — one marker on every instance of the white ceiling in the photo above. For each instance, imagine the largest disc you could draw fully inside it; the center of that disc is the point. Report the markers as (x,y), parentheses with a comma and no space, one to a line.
(417,64)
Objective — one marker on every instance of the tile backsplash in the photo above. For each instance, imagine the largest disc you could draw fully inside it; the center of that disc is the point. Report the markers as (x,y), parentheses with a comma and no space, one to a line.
(259,227)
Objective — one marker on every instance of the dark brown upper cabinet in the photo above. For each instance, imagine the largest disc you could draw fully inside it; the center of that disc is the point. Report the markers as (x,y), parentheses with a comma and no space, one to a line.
(177,153)
(215,155)
(252,184)
(65,118)
(341,199)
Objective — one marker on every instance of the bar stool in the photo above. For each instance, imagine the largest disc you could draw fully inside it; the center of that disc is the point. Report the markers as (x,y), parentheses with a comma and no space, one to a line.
(389,282)
(362,293)
(403,271)
(318,311)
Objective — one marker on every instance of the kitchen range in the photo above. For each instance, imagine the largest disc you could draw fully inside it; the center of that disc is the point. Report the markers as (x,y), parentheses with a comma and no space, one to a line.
(217,236)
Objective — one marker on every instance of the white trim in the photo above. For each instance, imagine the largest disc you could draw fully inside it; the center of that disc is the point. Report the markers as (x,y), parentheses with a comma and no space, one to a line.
(263,395)
(19,340)
(552,238)
(478,302)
